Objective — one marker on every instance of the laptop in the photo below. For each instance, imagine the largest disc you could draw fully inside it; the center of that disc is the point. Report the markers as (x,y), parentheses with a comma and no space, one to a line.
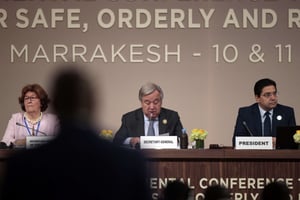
(284,137)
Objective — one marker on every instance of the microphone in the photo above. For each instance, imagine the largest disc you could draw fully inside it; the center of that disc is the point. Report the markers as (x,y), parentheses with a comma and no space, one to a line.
(19,124)
(247,128)
(151,115)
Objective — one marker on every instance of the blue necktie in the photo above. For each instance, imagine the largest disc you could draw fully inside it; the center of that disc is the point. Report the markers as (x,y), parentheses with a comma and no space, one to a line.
(267,124)
(151,129)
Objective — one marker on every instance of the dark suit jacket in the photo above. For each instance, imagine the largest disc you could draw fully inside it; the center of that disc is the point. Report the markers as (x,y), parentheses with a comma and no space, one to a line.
(133,124)
(282,116)
(76,165)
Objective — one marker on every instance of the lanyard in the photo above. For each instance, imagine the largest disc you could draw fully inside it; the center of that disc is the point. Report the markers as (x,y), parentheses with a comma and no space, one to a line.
(27,127)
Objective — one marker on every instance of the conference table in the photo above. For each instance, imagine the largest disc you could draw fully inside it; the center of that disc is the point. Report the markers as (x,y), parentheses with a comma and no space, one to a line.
(244,172)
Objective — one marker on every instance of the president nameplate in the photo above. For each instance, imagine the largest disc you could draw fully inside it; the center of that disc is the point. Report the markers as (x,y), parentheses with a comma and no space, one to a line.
(253,143)
(158,142)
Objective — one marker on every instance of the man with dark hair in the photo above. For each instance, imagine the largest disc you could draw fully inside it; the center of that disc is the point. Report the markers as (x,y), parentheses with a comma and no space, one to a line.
(263,117)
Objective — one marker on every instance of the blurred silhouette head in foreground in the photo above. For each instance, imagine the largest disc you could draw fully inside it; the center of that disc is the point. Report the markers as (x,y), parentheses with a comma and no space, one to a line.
(72,94)
(275,190)
(217,192)
(176,190)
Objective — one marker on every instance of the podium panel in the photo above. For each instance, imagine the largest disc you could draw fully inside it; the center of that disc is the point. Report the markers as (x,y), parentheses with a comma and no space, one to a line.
(244,172)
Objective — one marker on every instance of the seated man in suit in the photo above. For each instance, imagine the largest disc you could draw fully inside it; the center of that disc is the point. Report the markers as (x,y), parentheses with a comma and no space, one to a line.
(136,123)
(262,117)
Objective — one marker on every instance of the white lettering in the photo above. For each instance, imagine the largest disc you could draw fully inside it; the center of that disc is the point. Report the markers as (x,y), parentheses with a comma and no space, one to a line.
(39,18)
(153,183)
(3,17)
(14,51)
(207,16)
(231,19)
(56,17)
(272,16)
(125,16)
(101,16)
(153,53)
(40,54)
(159,18)
(174,53)
(268,18)
(254,196)
(199,196)
(117,53)
(242,183)
(20,16)
(251,183)
(294,18)
(177,16)
(253,19)
(147,16)
(101,55)
(203,183)
(62,54)
(72,18)
(133,53)
(79,51)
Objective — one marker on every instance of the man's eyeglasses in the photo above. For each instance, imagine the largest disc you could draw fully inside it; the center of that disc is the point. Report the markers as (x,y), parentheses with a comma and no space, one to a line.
(30,98)
(269,94)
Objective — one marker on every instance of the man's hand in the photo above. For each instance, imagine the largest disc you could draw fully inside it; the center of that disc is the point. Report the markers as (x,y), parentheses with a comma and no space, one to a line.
(134,141)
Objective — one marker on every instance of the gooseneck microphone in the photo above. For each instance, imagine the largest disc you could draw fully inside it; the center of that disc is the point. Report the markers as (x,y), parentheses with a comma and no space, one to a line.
(19,124)
(247,128)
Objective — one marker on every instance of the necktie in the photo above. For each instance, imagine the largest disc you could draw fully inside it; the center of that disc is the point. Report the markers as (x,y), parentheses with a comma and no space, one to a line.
(151,128)
(267,124)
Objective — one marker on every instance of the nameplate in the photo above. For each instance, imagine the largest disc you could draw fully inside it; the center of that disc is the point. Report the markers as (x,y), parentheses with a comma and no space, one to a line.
(158,142)
(36,141)
(253,143)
